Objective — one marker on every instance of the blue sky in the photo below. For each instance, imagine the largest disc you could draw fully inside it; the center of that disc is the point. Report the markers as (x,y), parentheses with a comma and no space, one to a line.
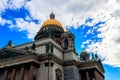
(94,23)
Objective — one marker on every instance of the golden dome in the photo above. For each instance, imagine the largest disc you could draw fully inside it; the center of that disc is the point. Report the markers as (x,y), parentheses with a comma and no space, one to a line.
(52,21)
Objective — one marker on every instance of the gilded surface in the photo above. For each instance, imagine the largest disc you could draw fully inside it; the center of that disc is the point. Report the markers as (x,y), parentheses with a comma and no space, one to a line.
(52,22)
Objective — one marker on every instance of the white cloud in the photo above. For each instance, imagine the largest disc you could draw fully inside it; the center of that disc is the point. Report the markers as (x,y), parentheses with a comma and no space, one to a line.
(11,4)
(3,5)
(74,13)
(3,21)
(87,42)
(23,25)
(109,47)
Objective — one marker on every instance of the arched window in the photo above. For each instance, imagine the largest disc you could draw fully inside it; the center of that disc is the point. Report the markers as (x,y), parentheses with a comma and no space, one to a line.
(66,43)
(58,74)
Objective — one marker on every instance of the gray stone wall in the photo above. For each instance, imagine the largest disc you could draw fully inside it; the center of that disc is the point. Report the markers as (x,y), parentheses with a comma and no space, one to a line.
(42,72)
(71,73)
(70,56)
(41,49)
(58,53)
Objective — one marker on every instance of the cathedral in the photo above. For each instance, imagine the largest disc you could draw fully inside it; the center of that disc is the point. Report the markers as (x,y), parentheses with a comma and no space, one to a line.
(51,56)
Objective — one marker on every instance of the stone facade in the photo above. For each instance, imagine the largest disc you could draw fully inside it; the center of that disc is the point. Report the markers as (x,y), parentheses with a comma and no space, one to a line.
(52,56)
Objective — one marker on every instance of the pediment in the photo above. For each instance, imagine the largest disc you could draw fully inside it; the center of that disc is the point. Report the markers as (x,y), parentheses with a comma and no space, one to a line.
(10,53)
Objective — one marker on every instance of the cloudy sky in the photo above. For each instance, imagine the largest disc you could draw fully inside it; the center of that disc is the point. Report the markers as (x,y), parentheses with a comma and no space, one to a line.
(95,23)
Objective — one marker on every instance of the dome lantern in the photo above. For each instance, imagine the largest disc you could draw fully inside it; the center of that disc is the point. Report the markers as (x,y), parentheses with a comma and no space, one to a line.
(52,15)
(52,22)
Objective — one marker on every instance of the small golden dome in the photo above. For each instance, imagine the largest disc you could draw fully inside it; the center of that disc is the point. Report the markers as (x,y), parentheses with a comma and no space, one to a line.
(67,29)
(52,21)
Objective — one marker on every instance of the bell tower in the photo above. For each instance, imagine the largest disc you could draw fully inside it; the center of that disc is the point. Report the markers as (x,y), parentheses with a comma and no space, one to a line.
(71,71)
(90,69)
(84,56)
(67,40)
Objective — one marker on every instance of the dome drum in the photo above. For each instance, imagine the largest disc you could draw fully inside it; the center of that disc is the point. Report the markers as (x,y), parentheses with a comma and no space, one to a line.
(50,30)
